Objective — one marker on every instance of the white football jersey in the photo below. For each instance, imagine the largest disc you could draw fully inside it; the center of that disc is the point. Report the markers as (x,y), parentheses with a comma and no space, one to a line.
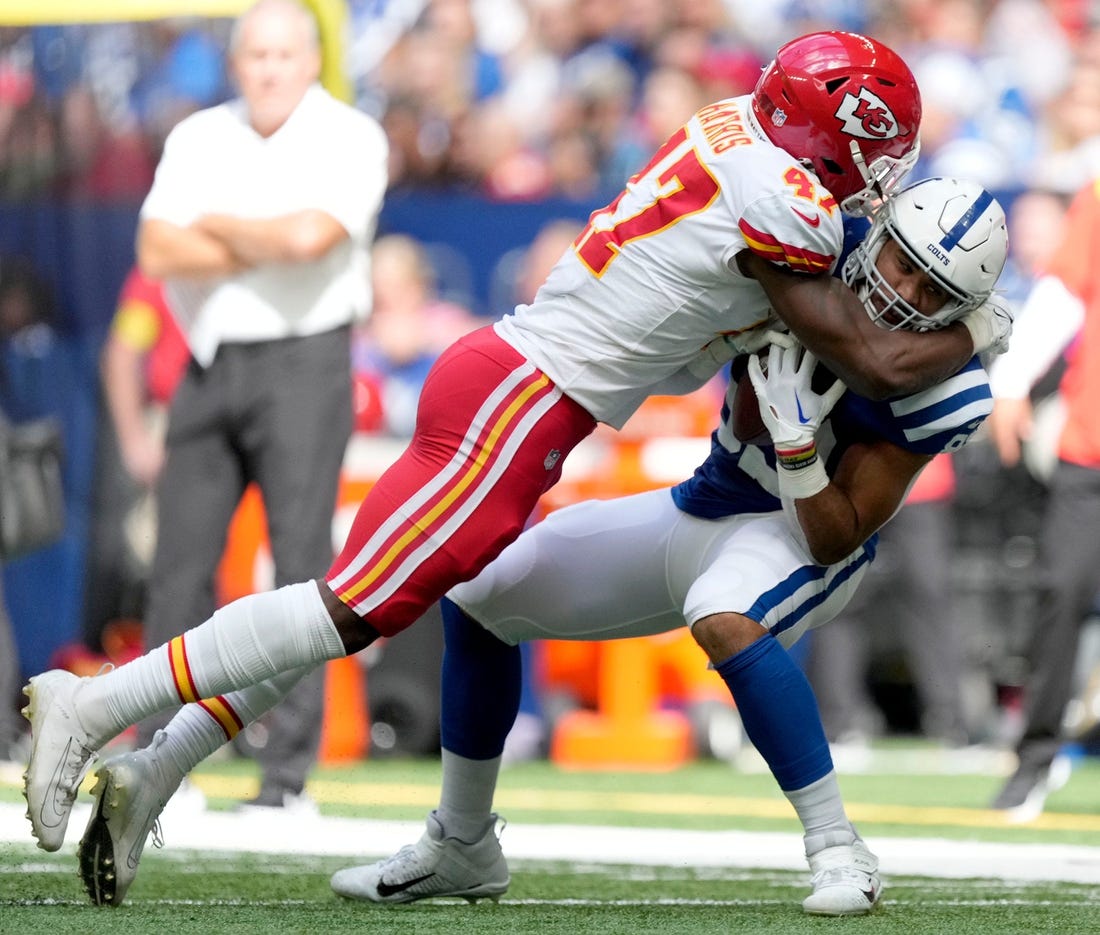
(643,301)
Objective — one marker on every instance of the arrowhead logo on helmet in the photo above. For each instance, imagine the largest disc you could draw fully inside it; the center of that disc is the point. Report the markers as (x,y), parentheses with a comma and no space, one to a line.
(867,116)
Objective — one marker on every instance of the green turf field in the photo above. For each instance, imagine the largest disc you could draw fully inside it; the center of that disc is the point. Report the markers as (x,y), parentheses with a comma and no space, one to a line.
(189,896)
(187,891)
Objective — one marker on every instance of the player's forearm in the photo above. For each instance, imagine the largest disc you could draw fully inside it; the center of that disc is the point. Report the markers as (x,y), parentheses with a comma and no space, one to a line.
(169,251)
(819,513)
(907,362)
(874,362)
(866,488)
(827,524)
(300,237)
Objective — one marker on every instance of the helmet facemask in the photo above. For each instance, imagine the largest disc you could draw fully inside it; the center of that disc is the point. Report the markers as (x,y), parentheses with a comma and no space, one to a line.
(882,177)
(883,303)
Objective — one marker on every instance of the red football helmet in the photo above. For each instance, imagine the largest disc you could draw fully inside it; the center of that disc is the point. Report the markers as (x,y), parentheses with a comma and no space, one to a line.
(847,107)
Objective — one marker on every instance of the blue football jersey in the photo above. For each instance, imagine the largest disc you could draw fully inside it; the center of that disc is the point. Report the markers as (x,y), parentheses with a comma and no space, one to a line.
(741,478)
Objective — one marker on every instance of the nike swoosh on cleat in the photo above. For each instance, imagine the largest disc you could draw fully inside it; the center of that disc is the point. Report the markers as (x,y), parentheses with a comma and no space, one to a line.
(51,815)
(812,221)
(392,889)
(801,416)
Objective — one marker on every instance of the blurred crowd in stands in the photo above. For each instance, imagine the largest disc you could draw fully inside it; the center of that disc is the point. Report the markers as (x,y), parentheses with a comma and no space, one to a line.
(524,99)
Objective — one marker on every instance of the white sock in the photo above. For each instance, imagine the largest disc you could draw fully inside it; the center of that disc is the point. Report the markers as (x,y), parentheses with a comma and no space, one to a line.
(189,738)
(248,641)
(466,798)
(820,808)
(200,729)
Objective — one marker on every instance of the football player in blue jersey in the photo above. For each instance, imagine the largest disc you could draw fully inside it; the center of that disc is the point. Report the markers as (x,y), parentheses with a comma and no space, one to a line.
(769,538)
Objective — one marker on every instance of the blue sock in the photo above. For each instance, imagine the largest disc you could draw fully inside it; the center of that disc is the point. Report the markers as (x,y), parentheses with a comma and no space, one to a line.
(779,712)
(529,701)
(481,683)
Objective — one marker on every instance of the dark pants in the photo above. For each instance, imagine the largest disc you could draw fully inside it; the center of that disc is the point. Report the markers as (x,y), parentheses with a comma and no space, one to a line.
(1069,576)
(908,589)
(277,413)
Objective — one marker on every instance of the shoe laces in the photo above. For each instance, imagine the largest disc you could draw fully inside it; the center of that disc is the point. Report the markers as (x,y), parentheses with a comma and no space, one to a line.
(846,864)
(73,774)
(408,856)
(834,876)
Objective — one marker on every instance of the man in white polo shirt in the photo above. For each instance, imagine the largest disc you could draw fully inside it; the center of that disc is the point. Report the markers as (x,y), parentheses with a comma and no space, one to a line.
(259,222)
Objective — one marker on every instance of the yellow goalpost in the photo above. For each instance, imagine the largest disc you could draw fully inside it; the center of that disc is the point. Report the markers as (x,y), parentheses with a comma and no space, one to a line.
(331,22)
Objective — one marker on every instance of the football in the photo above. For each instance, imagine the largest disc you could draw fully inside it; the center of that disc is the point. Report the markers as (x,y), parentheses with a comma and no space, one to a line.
(748,427)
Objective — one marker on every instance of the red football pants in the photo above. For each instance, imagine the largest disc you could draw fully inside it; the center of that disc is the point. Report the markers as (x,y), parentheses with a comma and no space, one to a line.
(491,434)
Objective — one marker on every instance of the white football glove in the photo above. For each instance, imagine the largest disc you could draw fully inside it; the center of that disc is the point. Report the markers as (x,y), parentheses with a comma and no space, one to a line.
(789,406)
(990,327)
(792,412)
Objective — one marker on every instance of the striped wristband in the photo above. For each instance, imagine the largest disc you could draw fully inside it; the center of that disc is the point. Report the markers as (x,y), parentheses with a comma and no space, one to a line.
(797,459)
(801,473)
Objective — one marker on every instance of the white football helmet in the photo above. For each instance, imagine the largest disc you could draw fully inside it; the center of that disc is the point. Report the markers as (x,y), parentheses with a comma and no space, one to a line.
(951,229)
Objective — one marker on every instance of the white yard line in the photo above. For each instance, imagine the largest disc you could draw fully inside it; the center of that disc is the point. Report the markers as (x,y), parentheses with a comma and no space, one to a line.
(359,838)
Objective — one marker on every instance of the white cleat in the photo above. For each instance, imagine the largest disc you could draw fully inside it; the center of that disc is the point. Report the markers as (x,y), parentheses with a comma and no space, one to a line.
(61,751)
(845,881)
(131,791)
(433,867)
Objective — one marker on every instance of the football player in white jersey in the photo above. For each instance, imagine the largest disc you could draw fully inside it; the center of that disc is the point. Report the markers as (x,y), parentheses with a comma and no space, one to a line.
(769,538)
(735,219)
